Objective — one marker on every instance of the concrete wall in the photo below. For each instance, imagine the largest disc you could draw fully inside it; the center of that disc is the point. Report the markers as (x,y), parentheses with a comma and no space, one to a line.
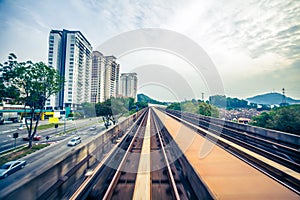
(268,133)
(63,172)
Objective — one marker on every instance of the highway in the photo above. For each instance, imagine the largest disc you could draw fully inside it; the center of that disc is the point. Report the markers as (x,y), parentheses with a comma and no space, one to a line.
(6,132)
(41,160)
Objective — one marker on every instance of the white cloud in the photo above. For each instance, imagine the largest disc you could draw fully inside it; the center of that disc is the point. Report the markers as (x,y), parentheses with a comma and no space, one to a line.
(245,39)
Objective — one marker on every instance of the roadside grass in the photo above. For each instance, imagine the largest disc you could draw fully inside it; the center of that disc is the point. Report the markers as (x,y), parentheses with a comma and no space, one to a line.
(20,153)
(68,131)
(46,126)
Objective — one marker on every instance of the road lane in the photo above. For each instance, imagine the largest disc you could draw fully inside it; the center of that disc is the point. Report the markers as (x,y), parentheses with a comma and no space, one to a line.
(42,159)
(7,141)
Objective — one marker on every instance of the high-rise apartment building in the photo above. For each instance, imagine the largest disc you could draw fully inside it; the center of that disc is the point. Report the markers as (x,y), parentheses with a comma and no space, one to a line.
(71,54)
(112,77)
(105,77)
(128,85)
(98,77)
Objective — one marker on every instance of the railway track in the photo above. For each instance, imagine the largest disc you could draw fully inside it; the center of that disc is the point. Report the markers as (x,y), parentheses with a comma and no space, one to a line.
(95,185)
(140,168)
(287,156)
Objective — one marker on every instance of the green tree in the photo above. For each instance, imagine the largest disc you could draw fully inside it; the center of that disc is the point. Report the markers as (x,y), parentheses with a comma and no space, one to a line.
(32,84)
(120,106)
(189,106)
(262,120)
(115,106)
(174,106)
(141,105)
(104,108)
(218,100)
(232,103)
(88,109)
(197,107)
(285,119)
(208,110)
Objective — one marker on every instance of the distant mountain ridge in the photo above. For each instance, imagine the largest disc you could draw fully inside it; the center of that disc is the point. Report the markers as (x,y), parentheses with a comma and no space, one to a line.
(271,99)
(145,98)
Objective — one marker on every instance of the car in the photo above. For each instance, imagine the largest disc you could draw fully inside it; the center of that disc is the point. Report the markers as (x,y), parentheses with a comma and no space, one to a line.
(35,138)
(118,140)
(11,167)
(74,141)
(93,128)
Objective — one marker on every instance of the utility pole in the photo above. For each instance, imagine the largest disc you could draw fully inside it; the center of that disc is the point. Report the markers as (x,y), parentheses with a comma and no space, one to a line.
(202,96)
(283,102)
(64,124)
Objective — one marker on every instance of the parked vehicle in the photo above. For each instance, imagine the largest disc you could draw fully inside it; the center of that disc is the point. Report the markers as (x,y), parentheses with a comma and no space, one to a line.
(93,128)
(74,141)
(35,138)
(11,167)
(9,117)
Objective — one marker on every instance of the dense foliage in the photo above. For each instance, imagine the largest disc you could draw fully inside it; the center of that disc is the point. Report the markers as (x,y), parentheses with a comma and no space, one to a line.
(146,99)
(285,119)
(30,84)
(113,106)
(197,107)
(222,101)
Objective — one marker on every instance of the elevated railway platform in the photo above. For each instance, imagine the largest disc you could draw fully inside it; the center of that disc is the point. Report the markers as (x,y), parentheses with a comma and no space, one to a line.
(226,175)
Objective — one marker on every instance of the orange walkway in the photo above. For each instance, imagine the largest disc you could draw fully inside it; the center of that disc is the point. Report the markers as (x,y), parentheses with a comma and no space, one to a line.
(142,189)
(226,176)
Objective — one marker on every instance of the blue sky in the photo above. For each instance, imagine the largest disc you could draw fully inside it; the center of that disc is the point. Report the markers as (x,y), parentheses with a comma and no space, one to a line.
(254,44)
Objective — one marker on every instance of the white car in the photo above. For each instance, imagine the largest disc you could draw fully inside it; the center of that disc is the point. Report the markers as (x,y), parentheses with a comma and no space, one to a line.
(74,141)
(93,128)
(11,167)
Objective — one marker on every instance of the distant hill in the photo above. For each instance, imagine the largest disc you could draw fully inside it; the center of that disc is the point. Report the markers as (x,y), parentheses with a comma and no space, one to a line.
(271,99)
(145,98)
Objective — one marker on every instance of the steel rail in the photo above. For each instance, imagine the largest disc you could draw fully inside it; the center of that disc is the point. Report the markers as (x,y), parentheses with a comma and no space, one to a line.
(166,160)
(88,181)
(116,175)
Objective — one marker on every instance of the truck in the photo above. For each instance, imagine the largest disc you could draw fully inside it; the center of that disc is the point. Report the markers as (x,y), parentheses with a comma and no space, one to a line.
(9,117)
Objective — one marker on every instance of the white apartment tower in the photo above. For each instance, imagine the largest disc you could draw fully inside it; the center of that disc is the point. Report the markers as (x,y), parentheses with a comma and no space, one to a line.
(112,76)
(105,77)
(71,54)
(128,85)
(98,77)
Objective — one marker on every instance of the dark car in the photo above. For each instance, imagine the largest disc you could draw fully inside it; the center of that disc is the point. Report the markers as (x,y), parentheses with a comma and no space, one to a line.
(11,167)
(35,138)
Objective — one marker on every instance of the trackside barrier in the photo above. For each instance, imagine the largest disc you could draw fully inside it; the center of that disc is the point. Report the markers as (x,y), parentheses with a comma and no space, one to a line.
(281,137)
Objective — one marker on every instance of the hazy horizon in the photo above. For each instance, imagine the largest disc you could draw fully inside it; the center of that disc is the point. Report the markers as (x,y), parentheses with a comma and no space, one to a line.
(162,100)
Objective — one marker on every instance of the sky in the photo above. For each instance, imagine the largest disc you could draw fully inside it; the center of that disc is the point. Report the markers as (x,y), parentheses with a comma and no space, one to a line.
(254,44)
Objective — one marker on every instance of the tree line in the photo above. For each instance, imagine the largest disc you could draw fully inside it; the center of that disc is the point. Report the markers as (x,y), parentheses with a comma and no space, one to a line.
(221,101)
(113,106)
(197,107)
(286,119)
